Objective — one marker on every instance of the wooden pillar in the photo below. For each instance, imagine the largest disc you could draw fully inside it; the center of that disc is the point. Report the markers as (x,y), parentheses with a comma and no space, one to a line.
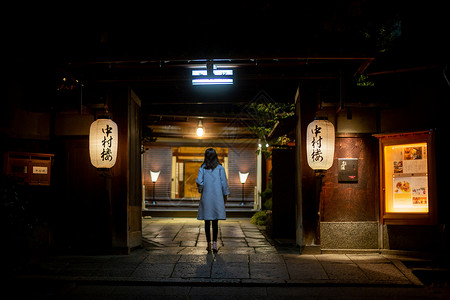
(126,189)
(306,106)
(298,173)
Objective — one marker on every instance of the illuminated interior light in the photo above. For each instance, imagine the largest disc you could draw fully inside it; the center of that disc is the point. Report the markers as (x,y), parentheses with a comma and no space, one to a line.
(210,81)
(219,72)
(218,76)
(200,131)
(199,73)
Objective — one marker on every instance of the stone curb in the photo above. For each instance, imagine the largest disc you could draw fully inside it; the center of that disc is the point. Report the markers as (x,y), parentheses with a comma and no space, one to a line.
(127,281)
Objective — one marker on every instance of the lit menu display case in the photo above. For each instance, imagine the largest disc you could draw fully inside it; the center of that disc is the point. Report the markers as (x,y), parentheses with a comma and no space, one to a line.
(407,178)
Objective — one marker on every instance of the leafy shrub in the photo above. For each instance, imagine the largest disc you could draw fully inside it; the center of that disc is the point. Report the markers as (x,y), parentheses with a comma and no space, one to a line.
(268,204)
(259,218)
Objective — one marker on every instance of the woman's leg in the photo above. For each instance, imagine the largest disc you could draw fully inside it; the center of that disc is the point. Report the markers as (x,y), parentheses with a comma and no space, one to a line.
(208,231)
(215,226)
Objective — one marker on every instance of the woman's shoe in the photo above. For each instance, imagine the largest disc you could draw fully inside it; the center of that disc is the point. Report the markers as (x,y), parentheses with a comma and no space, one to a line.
(208,248)
(214,247)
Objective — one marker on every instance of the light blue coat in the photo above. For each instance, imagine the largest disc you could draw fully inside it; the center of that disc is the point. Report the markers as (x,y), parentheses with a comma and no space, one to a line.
(215,187)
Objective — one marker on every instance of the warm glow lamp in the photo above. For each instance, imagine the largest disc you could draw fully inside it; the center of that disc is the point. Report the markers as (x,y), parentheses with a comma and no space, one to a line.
(154,176)
(103,138)
(320,144)
(200,131)
(243,179)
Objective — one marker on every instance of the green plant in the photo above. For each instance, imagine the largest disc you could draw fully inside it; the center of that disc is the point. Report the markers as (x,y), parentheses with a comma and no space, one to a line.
(266,195)
(266,115)
(259,218)
(20,217)
(18,214)
(363,81)
(268,204)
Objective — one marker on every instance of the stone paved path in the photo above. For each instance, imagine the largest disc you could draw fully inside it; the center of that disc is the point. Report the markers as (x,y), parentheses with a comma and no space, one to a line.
(187,236)
(246,256)
(174,252)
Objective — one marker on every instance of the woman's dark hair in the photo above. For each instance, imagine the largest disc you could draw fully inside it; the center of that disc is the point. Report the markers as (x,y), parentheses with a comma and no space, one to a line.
(211,161)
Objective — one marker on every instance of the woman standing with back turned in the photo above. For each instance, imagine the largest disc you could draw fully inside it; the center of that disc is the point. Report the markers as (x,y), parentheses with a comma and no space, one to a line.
(212,184)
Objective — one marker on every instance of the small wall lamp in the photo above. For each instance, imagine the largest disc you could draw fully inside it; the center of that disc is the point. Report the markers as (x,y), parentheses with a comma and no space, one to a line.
(155,176)
(243,179)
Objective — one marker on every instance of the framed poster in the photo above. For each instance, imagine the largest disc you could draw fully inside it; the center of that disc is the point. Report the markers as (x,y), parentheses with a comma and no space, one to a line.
(407,190)
(409,172)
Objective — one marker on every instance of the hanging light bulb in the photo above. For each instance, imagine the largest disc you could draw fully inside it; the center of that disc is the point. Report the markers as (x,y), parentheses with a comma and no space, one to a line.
(200,131)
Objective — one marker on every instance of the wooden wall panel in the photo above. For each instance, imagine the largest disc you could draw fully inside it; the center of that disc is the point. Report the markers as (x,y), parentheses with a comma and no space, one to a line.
(158,158)
(351,202)
(241,159)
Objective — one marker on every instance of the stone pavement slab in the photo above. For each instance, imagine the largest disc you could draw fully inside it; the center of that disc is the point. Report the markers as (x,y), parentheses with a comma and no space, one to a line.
(270,271)
(192,270)
(145,270)
(310,272)
(236,270)
(384,272)
(345,273)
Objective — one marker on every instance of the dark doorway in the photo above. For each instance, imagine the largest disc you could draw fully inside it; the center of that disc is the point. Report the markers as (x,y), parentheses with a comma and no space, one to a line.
(283,193)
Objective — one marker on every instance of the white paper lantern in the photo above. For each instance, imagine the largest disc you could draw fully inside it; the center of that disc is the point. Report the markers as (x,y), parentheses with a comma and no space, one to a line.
(103,138)
(320,144)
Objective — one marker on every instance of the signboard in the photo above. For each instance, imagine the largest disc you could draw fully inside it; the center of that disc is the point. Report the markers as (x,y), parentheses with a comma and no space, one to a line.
(29,168)
(40,170)
(347,170)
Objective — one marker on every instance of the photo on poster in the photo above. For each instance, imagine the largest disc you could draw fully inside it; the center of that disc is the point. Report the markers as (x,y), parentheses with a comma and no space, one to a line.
(420,201)
(402,192)
(410,192)
(419,189)
(398,166)
(412,153)
(397,159)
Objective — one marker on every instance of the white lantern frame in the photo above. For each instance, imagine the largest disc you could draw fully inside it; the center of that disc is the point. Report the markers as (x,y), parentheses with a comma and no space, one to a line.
(154,175)
(320,144)
(243,177)
(103,143)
